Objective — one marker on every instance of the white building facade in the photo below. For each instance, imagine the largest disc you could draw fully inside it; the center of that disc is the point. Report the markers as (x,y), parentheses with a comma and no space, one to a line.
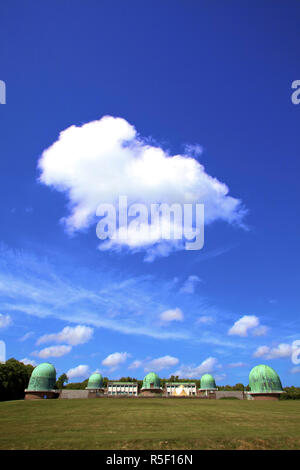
(122,388)
(181,389)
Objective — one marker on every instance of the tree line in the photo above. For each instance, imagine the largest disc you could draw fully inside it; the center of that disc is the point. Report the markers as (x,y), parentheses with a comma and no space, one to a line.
(14,379)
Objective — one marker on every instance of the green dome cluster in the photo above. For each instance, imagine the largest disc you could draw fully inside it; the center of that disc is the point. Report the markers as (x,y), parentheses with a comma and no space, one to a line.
(264,379)
(95,381)
(43,377)
(207,382)
(151,380)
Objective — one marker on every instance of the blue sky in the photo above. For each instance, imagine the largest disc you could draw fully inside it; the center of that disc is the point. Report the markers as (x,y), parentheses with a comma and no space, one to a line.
(200,79)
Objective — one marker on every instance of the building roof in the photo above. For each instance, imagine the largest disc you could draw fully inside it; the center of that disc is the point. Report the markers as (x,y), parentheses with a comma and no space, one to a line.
(122,383)
(95,381)
(207,382)
(43,377)
(264,379)
(150,379)
(180,383)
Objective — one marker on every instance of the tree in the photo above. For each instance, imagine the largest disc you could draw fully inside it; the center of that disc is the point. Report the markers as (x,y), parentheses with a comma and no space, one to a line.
(127,379)
(77,385)
(60,381)
(14,378)
(239,387)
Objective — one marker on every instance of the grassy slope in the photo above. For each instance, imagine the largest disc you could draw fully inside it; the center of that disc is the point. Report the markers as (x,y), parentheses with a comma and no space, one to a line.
(149,424)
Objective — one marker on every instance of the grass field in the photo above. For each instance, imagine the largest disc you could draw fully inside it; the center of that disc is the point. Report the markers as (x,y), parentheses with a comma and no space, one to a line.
(149,424)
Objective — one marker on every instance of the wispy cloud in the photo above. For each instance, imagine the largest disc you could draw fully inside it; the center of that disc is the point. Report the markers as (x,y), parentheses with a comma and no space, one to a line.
(235,365)
(35,287)
(190,284)
(26,336)
(205,320)
(135,364)
(5,320)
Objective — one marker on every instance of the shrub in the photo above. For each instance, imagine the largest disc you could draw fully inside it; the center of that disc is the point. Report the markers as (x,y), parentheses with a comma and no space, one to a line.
(228,398)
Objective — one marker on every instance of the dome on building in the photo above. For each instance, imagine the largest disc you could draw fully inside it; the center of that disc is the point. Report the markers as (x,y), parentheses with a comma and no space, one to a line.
(151,380)
(207,382)
(264,379)
(43,377)
(95,381)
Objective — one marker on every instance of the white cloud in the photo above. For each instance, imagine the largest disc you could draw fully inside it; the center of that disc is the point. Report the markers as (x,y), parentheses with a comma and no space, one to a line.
(295,370)
(52,351)
(260,331)
(234,365)
(101,160)
(190,285)
(5,320)
(172,315)
(79,371)
(205,320)
(53,291)
(242,326)
(193,150)
(160,363)
(282,350)
(135,364)
(220,377)
(27,361)
(114,360)
(79,334)
(26,336)
(207,366)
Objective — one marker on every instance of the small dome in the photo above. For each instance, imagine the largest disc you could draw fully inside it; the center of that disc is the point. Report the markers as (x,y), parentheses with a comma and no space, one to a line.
(207,382)
(43,377)
(151,380)
(264,379)
(95,381)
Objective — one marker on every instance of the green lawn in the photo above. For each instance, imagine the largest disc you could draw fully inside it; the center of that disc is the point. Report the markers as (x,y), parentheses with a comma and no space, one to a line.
(149,424)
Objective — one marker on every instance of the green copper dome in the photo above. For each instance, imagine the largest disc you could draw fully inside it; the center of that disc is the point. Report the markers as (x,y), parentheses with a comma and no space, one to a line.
(95,381)
(264,379)
(207,382)
(43,377)
(151,380)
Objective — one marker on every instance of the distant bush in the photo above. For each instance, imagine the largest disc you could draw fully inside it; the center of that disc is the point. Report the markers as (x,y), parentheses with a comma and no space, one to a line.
(228,398)
(290,396)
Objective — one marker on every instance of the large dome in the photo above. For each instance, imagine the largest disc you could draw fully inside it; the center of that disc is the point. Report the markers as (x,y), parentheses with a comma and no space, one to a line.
(95,381)
(264,379)
(151,380)
(43,377)
(207,382)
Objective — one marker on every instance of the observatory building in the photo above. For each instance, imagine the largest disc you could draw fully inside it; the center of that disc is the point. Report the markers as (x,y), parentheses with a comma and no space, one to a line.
(151,385)
(122,388)
(42,382)
(264,383)
(95,385)
(181,389)
(208,386)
